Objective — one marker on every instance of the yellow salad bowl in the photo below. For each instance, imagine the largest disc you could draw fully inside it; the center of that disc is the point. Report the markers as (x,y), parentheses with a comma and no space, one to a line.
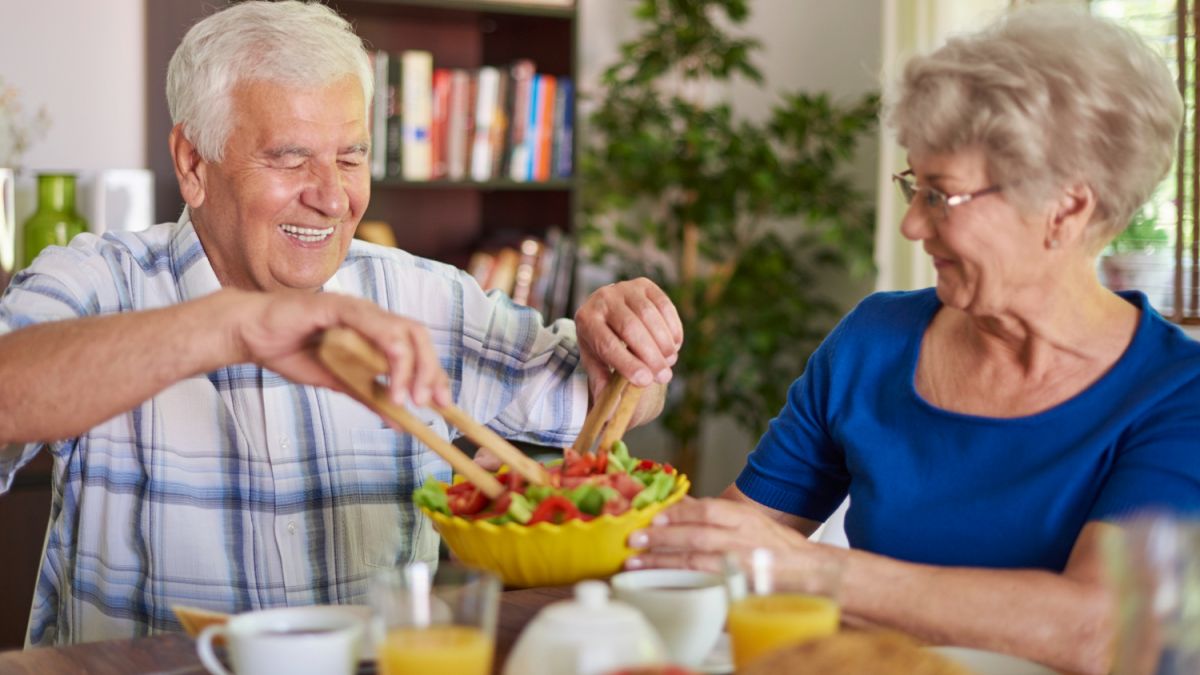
(547,554)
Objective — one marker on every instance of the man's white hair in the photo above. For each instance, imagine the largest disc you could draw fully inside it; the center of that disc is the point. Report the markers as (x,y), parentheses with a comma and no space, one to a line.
(289,42)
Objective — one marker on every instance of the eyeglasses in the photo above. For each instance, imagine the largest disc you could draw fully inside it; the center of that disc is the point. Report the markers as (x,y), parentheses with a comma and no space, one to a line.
(935,200)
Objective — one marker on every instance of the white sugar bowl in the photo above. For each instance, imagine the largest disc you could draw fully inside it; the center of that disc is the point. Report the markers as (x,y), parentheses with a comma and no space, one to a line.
(588,635)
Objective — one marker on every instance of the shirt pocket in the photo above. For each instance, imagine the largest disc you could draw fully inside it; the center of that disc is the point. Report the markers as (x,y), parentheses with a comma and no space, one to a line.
(380,525)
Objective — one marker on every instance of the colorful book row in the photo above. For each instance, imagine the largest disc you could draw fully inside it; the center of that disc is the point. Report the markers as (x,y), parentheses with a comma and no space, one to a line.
(460,124)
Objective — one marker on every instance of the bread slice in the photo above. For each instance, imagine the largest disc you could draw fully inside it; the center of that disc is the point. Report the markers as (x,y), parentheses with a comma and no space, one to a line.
(854,652)
(195,619)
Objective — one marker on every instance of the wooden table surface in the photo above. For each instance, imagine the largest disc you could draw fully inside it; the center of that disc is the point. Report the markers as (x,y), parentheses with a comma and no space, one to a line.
(175,654)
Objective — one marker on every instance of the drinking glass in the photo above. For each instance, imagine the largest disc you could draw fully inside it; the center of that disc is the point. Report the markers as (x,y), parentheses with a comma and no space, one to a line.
(777,602)
(1154,568)
(429,619)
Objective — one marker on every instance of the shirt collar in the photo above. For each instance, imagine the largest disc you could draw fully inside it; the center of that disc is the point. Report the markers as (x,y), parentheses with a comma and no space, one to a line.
(194,274)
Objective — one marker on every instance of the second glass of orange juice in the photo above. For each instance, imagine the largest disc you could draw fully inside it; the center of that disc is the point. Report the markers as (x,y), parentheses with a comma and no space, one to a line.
(781,605)
(434,623)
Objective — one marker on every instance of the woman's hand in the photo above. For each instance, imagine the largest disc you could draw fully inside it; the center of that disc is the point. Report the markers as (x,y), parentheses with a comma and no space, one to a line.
(698,533)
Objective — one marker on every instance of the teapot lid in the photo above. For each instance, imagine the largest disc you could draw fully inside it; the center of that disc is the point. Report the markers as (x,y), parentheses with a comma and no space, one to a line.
(592,610)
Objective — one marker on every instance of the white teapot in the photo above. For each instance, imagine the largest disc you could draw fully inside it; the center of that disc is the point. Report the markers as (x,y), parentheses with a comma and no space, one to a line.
(589,635)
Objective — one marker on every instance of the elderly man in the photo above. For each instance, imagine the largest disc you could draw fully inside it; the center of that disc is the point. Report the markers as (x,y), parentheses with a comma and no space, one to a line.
(201,455)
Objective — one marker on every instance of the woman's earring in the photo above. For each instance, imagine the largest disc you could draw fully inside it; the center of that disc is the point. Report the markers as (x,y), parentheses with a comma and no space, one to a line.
(1053,243)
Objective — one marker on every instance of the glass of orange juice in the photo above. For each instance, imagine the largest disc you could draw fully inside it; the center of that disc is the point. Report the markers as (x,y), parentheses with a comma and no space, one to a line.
(431,619)
(776,603)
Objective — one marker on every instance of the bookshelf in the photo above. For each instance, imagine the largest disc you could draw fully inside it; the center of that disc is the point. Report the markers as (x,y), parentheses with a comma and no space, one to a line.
(441,219)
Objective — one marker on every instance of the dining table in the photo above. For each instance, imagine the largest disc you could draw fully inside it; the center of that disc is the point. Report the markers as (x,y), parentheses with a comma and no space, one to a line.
(175,653)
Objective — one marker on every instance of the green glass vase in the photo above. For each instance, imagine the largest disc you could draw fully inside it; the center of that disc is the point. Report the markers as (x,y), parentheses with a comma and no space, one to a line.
(55,222)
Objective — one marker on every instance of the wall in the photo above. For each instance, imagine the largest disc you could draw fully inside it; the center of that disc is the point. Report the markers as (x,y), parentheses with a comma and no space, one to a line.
(83,60)
(814,45)
(92,80)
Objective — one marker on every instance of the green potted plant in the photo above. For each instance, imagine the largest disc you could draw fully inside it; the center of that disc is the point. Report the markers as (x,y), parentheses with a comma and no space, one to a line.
(1141,258)
(737,220)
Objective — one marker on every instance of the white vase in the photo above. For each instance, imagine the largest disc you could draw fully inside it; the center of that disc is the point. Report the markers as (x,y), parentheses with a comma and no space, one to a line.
(8,225)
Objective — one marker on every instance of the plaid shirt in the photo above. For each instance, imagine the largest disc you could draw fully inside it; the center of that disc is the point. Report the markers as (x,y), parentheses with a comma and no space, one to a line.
(238,490)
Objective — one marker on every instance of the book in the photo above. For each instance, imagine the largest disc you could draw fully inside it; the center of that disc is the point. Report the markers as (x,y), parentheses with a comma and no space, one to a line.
(379,114)
(564,276)
(480,267)
(500,123)
(488,79)
(530,250)
(417,112)
(472,96)
(529,145)
(521,75)
(394,125)
(504,271)
(439,128)
(543,146)
(539,296)
(456,135)
(564,130)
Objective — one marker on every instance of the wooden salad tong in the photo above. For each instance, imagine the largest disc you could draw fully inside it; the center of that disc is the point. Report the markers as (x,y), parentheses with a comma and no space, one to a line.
(358,365)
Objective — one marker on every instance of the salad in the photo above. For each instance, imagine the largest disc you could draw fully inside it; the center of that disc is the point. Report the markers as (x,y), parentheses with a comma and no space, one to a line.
(582,486)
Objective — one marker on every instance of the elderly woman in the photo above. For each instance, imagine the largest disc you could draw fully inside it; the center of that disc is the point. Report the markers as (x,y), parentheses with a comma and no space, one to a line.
(990,430)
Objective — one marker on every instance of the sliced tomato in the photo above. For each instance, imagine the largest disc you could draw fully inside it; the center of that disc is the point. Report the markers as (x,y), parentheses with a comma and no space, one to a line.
(668,469)
(465,499)
(555,509)
(498,507)
(578,464)
(601,462)
(627,485)
(645,465)
(615,506)
(512,480)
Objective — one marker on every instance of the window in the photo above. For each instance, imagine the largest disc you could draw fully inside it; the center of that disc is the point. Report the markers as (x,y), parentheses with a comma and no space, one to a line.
(1165,235)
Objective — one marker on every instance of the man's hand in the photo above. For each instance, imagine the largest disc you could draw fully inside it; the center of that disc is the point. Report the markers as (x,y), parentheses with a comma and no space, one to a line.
(282,332)
(630,327)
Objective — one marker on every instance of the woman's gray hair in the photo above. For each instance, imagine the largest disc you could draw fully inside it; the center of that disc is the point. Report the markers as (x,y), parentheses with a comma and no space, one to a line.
(1052,95)
(288,42)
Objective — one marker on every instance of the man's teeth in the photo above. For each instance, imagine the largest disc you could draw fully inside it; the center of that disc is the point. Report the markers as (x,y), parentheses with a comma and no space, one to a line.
(307,234)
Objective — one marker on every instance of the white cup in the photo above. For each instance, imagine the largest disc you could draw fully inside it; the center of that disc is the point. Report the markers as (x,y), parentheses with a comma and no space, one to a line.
(686,607)
(293,640)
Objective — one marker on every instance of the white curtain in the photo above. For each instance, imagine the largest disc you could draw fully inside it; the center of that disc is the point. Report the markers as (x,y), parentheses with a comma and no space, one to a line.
(912,27)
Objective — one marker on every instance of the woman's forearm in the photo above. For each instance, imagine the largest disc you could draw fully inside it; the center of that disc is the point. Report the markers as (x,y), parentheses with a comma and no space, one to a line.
(1052,618)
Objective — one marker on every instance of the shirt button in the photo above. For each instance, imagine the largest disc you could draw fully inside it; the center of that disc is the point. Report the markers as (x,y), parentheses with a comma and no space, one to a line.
(292,527)
(283,442)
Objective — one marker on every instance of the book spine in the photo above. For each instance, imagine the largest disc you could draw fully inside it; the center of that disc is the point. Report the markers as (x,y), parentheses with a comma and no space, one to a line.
(529,158)
(539,297)
(564,129)
(439,129)
(530,251)
(522,73)
(379,115)
(500,123)
(417,113)
(456,138)
(485,112)
(564,277)
(504,272)
(545,128)
(469,142)
(395,119)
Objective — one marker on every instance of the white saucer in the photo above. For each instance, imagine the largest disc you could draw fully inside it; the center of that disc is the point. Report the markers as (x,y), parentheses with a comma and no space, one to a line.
(992,663)
(720,660)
